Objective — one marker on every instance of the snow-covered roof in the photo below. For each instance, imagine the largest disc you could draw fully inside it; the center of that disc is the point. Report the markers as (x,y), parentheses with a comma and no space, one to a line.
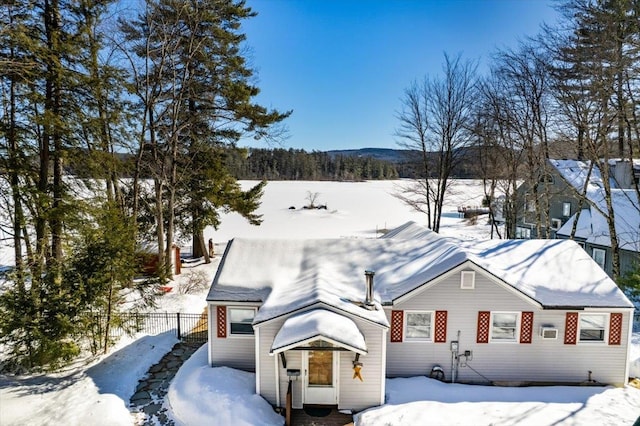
(319,323)
(592,224)
(290,275)
(575,173)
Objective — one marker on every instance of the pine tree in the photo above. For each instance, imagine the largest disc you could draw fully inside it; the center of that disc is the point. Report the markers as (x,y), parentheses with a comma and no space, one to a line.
(202,97)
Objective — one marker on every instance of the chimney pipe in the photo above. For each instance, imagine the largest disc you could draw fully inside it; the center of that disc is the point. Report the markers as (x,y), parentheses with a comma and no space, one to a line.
(368,300)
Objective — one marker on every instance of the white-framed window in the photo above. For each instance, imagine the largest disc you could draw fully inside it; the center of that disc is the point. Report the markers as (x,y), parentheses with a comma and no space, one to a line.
(418,325)
(468,280)
(505,326)
(592,327)
(566,209)
(556,224)
(523,232)
(240,320)
(599,256)
(529,204)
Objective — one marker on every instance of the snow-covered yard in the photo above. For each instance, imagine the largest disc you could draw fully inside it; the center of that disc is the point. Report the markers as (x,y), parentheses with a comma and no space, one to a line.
(97,391)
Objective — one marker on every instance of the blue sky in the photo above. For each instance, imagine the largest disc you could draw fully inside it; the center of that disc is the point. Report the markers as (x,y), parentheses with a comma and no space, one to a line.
(342,65)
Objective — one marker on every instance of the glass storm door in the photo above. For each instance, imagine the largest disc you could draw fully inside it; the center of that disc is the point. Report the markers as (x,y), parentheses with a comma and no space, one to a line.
(321,377)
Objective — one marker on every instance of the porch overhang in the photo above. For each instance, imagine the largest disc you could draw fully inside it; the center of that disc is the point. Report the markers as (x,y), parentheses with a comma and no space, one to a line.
(305,327)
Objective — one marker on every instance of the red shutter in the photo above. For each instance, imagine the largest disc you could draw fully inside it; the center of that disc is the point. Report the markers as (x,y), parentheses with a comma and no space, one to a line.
(397,324)
(484,320)
(615,329)
(441,327)
(222,321)
(571,328)
(526,327)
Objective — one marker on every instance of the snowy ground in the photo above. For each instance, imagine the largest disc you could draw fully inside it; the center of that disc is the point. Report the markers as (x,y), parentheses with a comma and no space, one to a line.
(97,391)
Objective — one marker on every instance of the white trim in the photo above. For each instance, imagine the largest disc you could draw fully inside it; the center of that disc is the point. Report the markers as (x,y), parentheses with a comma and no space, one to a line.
(238,303)
(277,364)
(467,264)
(328,307)
(556,224)
(517,327)
(335,379)
(405,325)
(231,335)
(318,337)
(605,336)
(471,275)
(383,368)
(628,343)
(604,256)
(212,324)
(257,351)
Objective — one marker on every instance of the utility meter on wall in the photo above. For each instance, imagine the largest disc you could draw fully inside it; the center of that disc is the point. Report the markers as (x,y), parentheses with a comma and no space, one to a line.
(454,346)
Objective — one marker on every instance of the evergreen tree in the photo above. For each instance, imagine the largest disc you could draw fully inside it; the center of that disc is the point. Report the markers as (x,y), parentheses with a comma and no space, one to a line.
(202,98)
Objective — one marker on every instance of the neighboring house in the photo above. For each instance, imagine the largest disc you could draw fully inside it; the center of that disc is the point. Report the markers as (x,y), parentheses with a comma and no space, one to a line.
(565,179)
(491,311)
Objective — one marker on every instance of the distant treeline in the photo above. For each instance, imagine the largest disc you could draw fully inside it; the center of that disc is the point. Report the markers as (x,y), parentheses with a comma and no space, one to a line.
(297,164)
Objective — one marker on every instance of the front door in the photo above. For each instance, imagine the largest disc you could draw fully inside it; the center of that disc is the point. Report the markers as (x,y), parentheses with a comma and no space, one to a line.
(321,384)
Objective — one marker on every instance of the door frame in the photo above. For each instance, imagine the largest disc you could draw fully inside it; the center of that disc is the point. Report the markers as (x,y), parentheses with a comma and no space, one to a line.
(333,398)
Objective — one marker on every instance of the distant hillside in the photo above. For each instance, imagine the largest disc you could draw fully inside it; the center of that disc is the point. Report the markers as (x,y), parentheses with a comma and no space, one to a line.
(407,162)
(384,154)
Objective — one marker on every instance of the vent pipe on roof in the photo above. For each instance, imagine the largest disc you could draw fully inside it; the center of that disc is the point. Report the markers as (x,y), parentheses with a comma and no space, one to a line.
(368,299)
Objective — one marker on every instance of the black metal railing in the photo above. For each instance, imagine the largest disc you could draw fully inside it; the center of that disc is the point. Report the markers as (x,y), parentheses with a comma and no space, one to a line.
(186,326)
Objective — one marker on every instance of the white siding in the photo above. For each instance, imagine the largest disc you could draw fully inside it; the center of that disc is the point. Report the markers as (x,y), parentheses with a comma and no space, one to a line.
(294,362)
(352,393)
(232,351)
(267,378)
(542,360)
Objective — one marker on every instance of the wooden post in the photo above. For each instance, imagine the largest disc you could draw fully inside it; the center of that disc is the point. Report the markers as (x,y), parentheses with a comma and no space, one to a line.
(287,418)
(178,262)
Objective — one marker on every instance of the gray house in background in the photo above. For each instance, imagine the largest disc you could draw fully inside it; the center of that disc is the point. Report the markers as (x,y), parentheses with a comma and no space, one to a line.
(565,180)
(317,329)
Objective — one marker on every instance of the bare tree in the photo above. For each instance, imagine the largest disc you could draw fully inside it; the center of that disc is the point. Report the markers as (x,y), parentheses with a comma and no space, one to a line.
(435,122)
(526,83)
(312,197)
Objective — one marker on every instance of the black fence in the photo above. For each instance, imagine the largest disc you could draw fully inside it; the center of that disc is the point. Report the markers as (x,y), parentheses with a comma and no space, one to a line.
(187,327)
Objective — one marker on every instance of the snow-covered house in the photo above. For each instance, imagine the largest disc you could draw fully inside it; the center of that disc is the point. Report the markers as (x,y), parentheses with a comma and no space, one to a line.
(490,311)
(564,181)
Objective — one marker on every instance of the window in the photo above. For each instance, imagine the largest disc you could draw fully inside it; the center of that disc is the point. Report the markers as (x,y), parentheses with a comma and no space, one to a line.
(522,232)
(546,178)
(566,209)
(240,320)
(418,325)
(467,280)
(599,256)
(556,224)
(504,326)
(529,205)
(592,327)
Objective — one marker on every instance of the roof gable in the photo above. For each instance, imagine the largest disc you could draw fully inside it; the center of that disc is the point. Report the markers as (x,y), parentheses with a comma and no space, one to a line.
(468,265)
